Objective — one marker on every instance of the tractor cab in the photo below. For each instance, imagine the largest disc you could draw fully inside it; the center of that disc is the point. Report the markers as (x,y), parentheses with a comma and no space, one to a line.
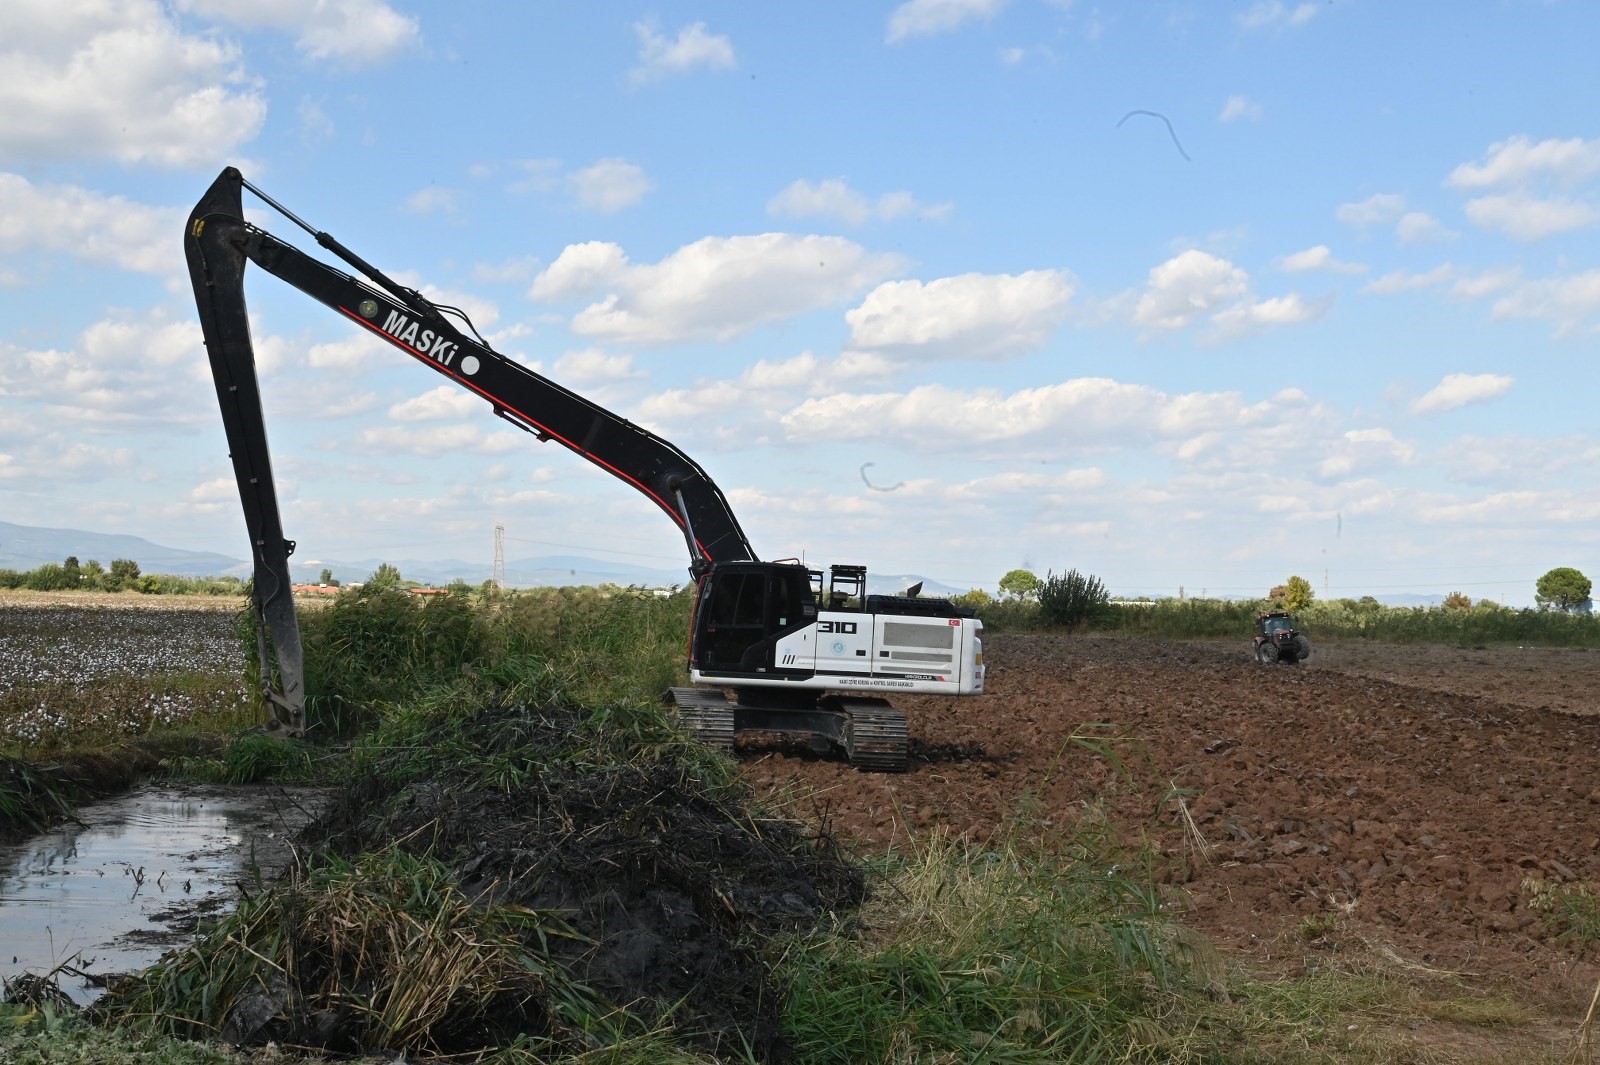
(1274,623)
(1277,639)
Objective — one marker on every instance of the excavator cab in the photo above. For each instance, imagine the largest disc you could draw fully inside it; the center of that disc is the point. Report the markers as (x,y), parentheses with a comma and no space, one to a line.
(743,609)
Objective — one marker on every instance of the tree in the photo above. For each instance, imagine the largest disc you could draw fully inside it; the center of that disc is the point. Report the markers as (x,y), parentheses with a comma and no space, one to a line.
(328,578)
(1019,583)
(384,578)
(975,599)
(1563,588)
(1297,594)
(124,572)
(71,572)
(1458,601)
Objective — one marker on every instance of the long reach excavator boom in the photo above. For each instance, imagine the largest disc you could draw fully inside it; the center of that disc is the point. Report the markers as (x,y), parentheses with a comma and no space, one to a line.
(757,624)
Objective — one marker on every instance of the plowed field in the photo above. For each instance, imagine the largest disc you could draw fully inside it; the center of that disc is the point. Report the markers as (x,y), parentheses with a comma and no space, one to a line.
(1405,792)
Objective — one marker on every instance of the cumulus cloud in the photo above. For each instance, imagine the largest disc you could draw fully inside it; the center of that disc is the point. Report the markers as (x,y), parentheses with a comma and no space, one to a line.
(1537,179)
(125,371)
(1365,450)
(694,47)
(1086,412)
(1196,286)
(1239,107)
(610,185)
(1520,161)
(592,366)
(1380,209)
(834,198)
(1267,14)
(1528,218)
(52,459)
(431,199)
(971,316)
(1460,389)
(717,287)
(1419,227)
(1571,304)
(437,441)
(923,18)
(107,231)
(1189,287)
(351,31)
(1320,257)
(437,404)
(85,79)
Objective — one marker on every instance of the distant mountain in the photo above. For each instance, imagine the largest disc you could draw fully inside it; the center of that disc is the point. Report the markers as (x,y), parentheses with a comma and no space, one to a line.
(25,547)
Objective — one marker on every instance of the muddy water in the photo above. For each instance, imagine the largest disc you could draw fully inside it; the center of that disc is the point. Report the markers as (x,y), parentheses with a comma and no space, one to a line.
(111,895)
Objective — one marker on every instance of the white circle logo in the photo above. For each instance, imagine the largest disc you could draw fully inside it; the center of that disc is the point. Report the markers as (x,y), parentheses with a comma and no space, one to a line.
(469,365)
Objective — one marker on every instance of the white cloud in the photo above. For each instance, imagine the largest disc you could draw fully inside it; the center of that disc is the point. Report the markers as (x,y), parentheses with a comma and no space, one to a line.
(437,404)
(1320,257)
(921,18)
(972,316)
(834,198)
(1266,14)
(1089,413)
(430,199)
(1460,389)
(51,459)
(107,231)
(1380,209)
(717,287)
(126,371)
(438,441)
(660,57)
(1527,218)
(86,79)
(592,366)
(1247,317)
(610,185)
(1239,107)
(1365,450)
(1195,286)
(1419,227)
(347,353)
(1571,304)
(1519,161)
(352,31)
(1187,288)
(1401,281)
(580,270)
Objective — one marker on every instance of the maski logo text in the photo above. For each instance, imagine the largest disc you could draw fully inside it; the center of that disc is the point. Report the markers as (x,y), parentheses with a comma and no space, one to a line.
(435,346)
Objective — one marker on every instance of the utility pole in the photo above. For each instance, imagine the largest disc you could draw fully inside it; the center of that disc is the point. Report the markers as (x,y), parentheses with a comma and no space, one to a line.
(499,555)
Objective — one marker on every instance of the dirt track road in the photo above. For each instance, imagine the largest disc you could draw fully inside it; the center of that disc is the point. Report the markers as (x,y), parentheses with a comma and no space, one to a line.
(1406,792)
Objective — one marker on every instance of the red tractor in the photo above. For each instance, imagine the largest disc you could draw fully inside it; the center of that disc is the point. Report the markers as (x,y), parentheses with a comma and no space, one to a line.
(1277,640)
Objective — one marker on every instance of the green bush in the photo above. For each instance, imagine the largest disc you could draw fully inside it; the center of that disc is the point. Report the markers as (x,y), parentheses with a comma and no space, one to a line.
(1072,599)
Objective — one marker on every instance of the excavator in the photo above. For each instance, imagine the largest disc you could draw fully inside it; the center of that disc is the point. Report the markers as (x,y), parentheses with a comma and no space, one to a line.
(775,647)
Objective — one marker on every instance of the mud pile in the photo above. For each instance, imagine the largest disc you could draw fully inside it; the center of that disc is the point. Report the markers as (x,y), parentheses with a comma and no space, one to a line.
(669,883)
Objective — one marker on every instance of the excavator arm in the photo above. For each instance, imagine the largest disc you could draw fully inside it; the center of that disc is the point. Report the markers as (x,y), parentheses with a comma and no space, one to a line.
(218,244)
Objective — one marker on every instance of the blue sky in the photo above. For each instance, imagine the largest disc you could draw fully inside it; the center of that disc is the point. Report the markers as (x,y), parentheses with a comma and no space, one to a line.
(1189,295)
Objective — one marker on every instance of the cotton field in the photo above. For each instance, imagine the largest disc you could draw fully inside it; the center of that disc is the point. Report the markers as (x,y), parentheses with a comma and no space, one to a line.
(87,671)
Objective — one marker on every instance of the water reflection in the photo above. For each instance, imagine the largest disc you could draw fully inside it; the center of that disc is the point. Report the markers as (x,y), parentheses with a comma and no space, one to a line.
(108,895)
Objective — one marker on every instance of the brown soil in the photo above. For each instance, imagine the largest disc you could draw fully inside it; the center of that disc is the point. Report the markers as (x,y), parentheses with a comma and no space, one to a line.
(1405,792)
(118,600)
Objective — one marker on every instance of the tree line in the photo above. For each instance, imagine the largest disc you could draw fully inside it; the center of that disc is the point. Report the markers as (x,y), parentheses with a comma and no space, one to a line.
(122,576)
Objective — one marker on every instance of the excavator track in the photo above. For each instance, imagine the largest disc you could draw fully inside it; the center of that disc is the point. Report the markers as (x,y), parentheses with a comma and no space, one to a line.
(871,732)
(875,738)
(706,715)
